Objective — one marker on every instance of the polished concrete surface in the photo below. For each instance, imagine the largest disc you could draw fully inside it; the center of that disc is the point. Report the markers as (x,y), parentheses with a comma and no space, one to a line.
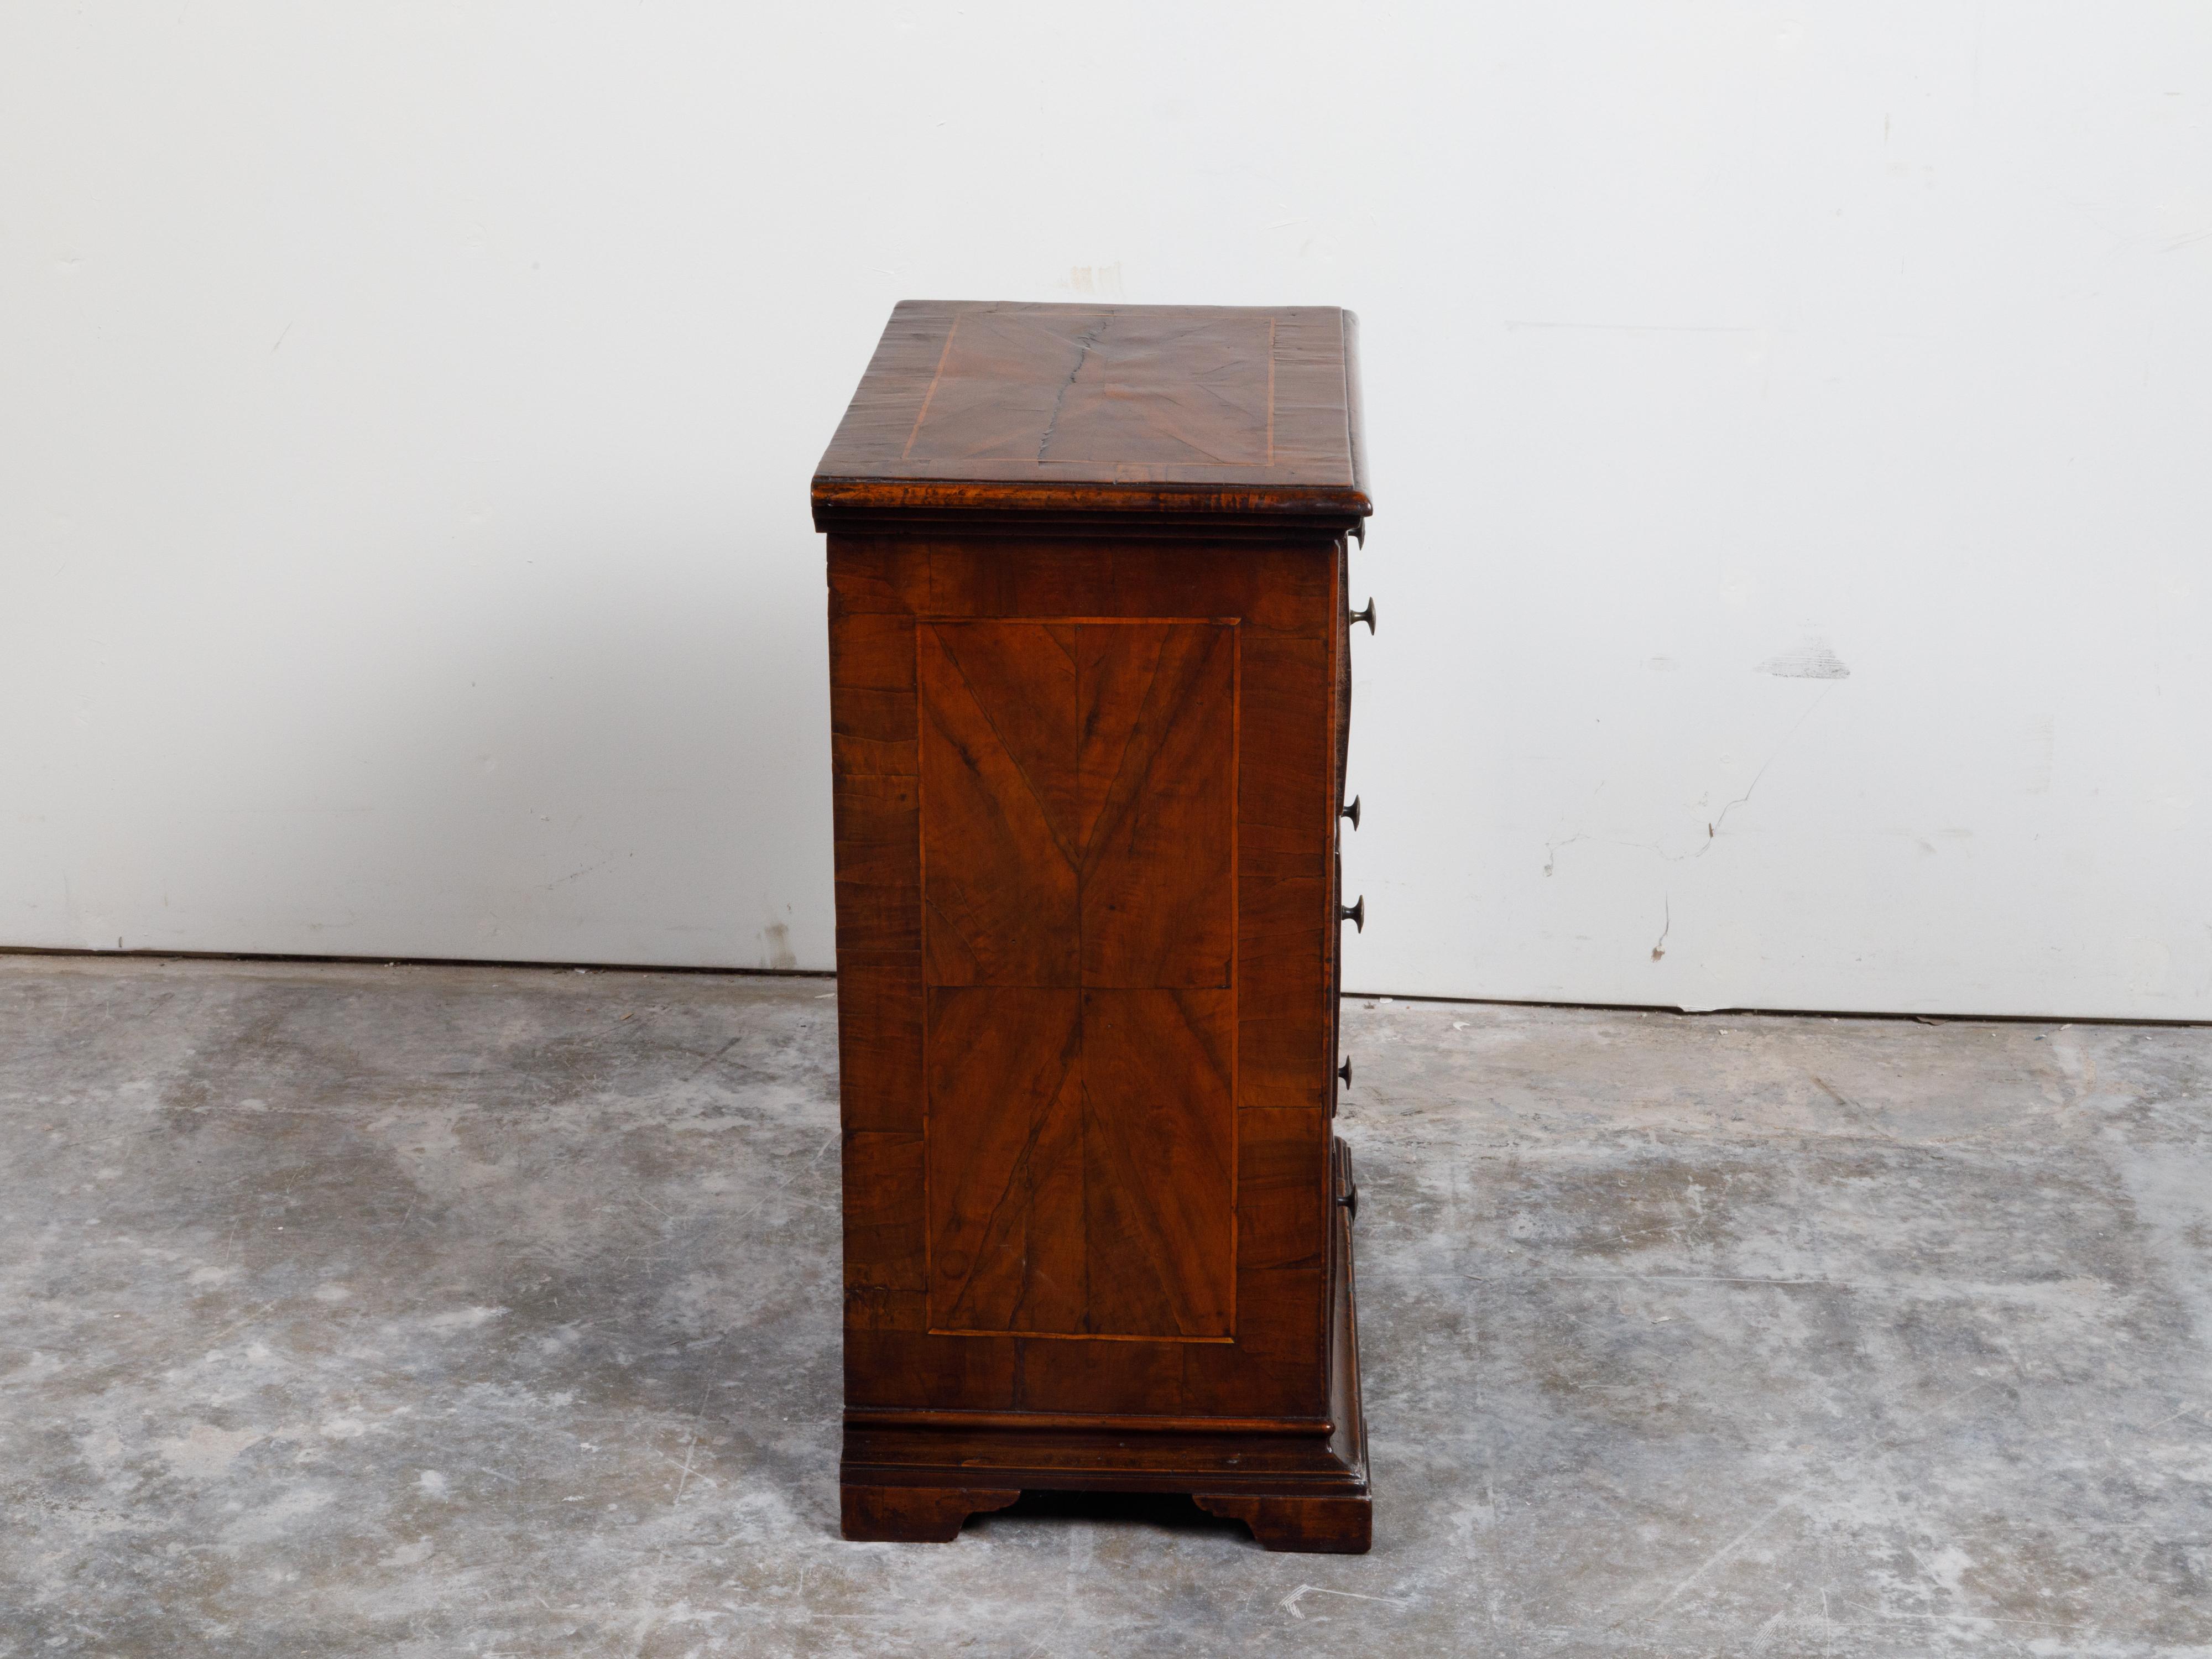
(439,1311)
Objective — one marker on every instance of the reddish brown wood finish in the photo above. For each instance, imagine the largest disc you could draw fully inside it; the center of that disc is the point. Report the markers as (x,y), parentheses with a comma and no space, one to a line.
(1215,409)
(1316,1526)
(1087,649)
(915,1515)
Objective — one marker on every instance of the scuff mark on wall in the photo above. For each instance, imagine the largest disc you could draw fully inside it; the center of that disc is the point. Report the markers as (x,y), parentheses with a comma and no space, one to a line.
(578,875)
(1096,279)
(1811,660)
(779,956)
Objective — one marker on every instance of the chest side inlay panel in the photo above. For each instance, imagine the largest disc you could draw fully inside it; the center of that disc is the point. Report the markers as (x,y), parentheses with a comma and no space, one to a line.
(1079,845)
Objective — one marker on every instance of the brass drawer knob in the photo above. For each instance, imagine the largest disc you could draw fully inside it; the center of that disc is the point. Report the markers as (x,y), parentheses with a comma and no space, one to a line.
(1351,811)
(1366,616)
(1355,912)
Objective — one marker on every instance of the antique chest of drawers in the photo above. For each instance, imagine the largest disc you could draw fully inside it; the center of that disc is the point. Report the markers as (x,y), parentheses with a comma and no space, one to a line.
(1089,642)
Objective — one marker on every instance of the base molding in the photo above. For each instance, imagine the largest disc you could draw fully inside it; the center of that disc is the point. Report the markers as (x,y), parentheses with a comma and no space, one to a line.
(914,1515)
(1311,1526)
(1324,1511)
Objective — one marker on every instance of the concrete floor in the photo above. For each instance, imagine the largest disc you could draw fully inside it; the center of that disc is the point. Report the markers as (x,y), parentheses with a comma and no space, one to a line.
(443,1311)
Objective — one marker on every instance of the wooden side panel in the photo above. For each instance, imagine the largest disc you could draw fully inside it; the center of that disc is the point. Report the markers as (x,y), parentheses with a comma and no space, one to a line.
(1078,830)
(1281,1211)
(1285,934)
(1158,781)
(880,1047)
(875,820)
(876,799)
(1160,1161)
(1194,1234)
(998,763)
(884,1245)
(1005,1186)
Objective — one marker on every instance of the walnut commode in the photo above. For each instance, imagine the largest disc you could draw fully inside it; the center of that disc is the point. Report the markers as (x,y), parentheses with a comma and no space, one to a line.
(1090,686)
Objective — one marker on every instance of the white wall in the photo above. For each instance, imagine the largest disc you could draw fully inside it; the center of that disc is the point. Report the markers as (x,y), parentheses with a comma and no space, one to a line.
(406,411)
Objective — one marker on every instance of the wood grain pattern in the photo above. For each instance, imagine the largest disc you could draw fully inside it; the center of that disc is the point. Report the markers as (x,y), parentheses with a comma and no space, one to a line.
(1078,783)
(999,720)
(1061,384)
(914,1515)
(1311,1526)
(1007,1246)
(1158,778)
(1285,599)
(1081,784)
(1088,662)
(1118,408)
(1080,1185)
(1160,1195)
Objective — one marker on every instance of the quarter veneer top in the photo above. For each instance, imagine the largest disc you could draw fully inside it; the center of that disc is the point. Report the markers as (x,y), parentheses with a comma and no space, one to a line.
(992,407)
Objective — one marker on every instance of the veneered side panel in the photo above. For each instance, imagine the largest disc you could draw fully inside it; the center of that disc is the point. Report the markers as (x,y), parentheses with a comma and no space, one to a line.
(1282,602)
(1159,1140)
(1158,809)
(999,721)
(1004,1179)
